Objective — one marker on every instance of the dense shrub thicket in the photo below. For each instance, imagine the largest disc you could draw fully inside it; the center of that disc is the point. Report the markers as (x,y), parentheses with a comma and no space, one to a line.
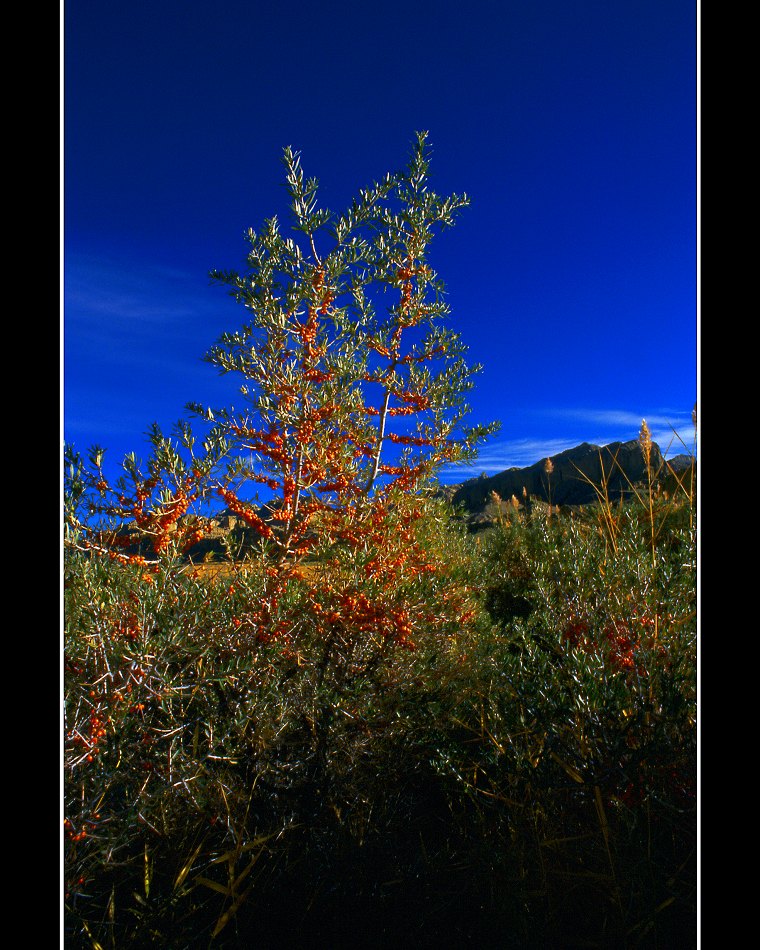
(377,729)
(526,777)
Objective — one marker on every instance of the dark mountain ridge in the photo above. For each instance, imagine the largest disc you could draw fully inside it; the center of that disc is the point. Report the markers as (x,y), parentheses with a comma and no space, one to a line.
(571,480)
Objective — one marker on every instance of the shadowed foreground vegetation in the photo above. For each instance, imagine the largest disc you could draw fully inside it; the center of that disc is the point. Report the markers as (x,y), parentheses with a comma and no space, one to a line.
(379,731)
(522,776)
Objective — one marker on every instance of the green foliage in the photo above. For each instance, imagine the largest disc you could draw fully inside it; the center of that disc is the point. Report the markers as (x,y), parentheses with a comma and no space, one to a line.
(374,729)
(537,762)
(190,739)
(588,699)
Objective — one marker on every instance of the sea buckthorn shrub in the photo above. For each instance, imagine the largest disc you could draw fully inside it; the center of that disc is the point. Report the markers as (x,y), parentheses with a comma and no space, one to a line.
(253,727)
(588,703)
(208,726)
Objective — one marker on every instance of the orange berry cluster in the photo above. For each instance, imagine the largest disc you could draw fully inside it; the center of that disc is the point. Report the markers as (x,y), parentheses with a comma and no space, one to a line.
(356,612)
(194,536)
(243,510)
(621,641)
(317,283)
(165,522)
(75,835)
(408,439)
(128,625)
(91,742)
(113,555)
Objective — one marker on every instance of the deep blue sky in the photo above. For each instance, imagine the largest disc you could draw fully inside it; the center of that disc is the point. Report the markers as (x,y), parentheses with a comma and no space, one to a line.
(571,125)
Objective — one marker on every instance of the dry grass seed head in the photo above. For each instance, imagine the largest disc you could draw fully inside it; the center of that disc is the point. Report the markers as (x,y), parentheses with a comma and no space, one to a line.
(645,441)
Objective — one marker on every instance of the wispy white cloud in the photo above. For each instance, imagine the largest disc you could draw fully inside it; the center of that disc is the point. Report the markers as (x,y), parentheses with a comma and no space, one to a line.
(669,428)
(622,418)
(81,428)
(144,319)
(105,295)
(672,431)
(499,456)
(87,303)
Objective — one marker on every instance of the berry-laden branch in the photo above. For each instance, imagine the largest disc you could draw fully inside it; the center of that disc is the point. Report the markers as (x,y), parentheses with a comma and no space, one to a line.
(352,387)
(353,394)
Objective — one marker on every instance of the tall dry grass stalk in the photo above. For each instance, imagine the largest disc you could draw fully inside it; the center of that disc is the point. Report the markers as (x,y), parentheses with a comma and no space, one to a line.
(658,505)
(609,520)
(495,499)
(645,441)
(548,469)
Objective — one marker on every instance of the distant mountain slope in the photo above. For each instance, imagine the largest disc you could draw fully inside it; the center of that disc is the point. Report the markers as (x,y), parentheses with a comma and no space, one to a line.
(680,463)
(623,463)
